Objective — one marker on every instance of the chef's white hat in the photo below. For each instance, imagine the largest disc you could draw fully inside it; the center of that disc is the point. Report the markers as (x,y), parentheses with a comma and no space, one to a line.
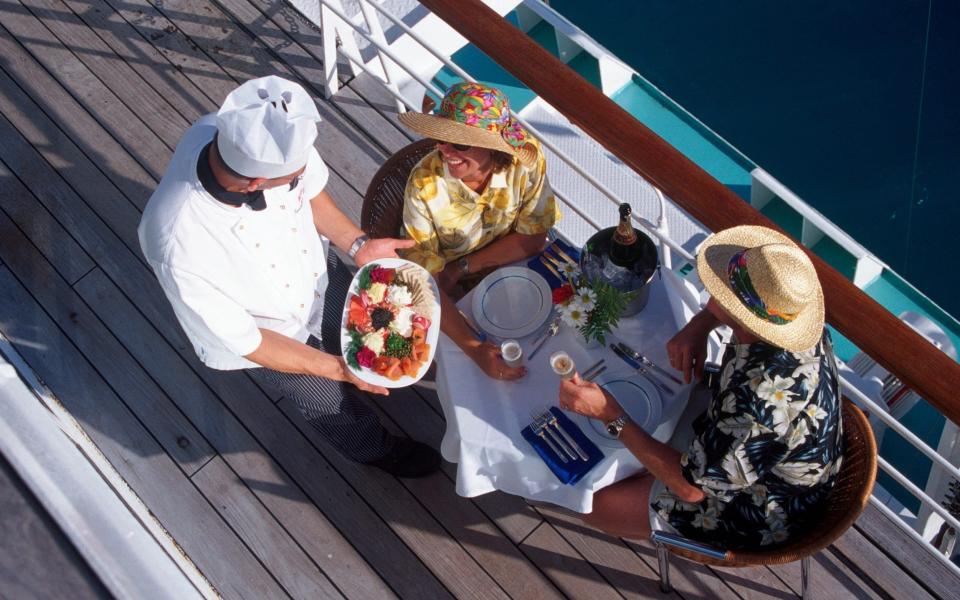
(266,127)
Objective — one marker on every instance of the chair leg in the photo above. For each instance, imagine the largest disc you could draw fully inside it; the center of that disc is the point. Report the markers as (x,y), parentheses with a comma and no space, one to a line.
(663,558)
(804,576)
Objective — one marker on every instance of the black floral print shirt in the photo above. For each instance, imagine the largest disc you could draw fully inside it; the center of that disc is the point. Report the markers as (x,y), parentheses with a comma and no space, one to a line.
(767,450)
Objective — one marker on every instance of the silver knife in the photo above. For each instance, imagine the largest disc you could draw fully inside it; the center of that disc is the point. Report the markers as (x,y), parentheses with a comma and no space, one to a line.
(642,370)
(660,370)
(559,441)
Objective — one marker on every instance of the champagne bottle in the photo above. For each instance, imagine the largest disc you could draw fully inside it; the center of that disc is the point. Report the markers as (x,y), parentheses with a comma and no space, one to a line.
(624,249)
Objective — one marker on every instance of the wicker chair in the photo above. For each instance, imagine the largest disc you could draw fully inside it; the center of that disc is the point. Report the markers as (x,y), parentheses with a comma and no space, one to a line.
(847,500)
(382,212)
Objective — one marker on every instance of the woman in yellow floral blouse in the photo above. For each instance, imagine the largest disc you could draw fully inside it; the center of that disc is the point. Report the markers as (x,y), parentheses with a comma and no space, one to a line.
(479,201)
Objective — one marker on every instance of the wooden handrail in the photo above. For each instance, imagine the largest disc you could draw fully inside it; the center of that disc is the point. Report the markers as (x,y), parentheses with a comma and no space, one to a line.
(903,352)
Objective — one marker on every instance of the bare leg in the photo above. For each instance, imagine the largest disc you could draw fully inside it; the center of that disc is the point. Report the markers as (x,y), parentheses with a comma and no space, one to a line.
(623,509)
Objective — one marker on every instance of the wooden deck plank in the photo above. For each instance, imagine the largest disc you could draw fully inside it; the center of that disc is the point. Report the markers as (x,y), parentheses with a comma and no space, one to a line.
(463,517)
(613,559)
(168,82)
(872,565)
(140,394)
(415,417)
(66,256)
(564,566)
(246,457)
(27,119)
(122,123)
(919,563)
(130,448)
(448,561)
(61,110)
(122,79)
(299,576)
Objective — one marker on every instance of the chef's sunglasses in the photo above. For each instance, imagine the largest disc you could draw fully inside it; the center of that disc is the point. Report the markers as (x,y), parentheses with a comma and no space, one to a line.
(457,147)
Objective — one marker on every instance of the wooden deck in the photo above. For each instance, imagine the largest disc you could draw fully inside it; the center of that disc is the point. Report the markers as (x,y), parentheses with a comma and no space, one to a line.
(94,96)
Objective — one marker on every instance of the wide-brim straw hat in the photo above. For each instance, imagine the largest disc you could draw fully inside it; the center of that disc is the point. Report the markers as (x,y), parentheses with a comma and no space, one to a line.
(766,283)
(475,115)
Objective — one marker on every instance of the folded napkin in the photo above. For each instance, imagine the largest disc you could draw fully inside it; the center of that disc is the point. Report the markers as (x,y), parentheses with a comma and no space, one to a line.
(572,471)
(538,266)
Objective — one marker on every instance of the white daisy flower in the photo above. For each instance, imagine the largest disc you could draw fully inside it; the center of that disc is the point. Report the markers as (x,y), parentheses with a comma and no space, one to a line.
(587,299)
(573,315)
(570,271)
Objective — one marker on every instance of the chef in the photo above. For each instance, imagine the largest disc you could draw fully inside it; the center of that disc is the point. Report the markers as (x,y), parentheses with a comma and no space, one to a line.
(238,233)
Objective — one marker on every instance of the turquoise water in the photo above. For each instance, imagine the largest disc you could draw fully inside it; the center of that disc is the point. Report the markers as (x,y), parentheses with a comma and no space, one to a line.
(850,104)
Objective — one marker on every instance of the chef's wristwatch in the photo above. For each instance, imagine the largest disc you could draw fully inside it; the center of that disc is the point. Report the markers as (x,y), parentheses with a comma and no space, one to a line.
(464,265)
(615,427)
(357,244)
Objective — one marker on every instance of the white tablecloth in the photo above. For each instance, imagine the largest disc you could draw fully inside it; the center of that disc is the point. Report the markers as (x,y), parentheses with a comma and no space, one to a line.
(485,416)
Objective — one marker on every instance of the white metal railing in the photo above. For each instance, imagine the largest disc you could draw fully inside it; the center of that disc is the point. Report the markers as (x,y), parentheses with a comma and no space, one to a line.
(385,50)
(661,232)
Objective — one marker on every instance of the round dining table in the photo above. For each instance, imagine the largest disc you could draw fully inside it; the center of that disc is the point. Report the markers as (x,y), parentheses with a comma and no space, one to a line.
(485,416)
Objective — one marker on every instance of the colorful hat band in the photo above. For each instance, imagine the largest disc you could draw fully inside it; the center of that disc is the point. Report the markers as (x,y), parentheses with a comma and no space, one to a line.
(484,108)
(743,288)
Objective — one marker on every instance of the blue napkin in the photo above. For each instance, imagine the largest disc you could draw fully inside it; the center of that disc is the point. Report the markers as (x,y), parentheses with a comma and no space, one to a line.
(572,471)
(539,267)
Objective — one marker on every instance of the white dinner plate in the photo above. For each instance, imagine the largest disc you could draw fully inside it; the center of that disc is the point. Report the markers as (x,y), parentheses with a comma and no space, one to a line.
(512,302)
(638,397)
(432,334)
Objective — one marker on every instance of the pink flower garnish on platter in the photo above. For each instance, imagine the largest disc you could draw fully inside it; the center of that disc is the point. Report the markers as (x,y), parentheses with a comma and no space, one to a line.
(365,357)
(382,275)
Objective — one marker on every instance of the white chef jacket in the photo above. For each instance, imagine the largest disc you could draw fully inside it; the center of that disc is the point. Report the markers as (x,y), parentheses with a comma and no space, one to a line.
(228,271)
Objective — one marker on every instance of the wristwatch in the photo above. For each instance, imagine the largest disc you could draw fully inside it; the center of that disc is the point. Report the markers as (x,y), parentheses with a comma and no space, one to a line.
(615,427)
(357,244)
(464,265)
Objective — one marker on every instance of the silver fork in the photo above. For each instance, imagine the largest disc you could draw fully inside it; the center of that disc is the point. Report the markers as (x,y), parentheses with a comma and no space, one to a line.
(547,418)
(541,419)
(539,430)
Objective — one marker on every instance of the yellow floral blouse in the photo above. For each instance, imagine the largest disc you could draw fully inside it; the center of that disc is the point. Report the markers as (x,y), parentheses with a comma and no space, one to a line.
(449,220)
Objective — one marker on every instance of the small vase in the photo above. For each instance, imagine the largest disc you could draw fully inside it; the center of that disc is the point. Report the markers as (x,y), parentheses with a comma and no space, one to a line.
(589,344)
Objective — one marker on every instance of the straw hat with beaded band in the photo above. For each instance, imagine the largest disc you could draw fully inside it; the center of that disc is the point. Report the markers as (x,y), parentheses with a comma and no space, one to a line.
(475,115)
(766,283)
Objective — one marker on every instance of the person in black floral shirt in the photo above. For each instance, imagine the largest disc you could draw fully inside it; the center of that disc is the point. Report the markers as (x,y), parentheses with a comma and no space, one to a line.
(765,454)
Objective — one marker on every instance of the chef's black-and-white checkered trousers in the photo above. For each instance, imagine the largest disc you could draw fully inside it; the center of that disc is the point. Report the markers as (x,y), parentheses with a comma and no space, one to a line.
(335,409)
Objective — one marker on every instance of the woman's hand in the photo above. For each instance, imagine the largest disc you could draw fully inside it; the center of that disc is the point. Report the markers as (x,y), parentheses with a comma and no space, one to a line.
(487,356)
(380,248)
(588,399)
(347,376)
(687,350)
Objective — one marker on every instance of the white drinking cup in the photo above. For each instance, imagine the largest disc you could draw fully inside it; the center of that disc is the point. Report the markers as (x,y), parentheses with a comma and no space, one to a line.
(562,364)
(512,353)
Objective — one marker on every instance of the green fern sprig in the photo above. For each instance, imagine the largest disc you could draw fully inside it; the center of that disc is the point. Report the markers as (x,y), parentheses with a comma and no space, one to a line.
(606,312)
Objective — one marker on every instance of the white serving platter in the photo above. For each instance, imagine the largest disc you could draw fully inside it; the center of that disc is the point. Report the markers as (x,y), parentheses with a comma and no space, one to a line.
(433,333)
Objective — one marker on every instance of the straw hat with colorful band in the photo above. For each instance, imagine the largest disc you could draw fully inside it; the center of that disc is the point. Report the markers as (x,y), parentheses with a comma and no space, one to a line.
(475,115)
(766,283)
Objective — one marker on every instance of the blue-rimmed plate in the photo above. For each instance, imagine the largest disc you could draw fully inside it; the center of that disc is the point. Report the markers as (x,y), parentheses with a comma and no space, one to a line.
(638,397)
(512,302)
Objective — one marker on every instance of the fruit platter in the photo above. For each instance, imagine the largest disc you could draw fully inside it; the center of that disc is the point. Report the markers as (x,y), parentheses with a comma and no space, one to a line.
(391,322)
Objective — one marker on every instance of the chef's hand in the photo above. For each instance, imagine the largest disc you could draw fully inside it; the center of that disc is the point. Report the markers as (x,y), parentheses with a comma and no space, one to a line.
(348,376)
(588,399)
(487,356)
(380,248)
